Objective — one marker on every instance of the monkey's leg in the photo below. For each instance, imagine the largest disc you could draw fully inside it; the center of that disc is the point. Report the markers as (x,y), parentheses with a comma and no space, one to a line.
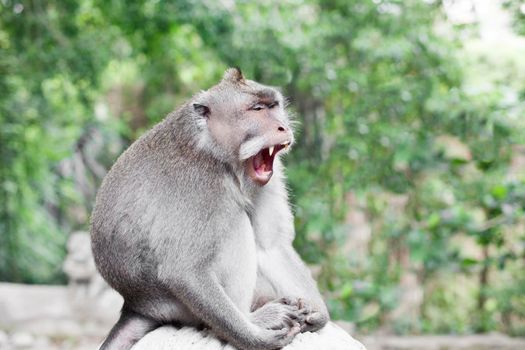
(207,300)
(282,273)
(129,329)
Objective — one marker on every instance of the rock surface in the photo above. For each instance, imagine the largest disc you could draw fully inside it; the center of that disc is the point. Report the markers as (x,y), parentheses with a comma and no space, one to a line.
(53,311)
(491,341)
(167,338)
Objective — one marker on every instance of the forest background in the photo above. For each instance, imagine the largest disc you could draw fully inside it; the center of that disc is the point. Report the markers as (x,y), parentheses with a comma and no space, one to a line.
(408,177)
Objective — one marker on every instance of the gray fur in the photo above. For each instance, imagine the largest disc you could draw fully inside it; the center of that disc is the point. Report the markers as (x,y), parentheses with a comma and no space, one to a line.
(187,237)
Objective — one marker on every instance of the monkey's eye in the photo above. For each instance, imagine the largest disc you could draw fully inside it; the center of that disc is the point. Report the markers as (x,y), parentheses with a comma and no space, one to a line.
(273,104)
(258,107)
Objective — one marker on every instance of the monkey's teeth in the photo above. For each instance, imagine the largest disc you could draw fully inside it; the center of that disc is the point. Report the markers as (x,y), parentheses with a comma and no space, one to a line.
(270,150)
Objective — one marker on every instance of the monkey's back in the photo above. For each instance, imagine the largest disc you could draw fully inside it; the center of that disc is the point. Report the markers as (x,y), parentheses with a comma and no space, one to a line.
(150,201)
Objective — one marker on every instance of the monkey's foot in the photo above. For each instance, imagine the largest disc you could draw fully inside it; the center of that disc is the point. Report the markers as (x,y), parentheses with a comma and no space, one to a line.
(313,319)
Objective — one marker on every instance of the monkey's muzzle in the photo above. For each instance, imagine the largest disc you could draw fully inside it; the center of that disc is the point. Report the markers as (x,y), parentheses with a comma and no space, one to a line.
(260,166)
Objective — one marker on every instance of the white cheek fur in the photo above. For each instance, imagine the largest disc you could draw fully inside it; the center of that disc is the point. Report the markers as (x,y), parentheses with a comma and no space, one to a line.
(251,147)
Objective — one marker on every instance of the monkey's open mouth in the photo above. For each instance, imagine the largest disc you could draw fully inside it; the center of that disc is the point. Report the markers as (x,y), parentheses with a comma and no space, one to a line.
(260,166)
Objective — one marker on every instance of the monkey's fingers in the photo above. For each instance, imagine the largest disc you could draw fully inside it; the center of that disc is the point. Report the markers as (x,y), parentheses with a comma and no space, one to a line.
(301,303)
(314,318)
(289,322)
(293,318)
(285,323)
(284,336)
(306,310)
(289,301)
(294,330)
(313,322)
(305,327)
(301,319)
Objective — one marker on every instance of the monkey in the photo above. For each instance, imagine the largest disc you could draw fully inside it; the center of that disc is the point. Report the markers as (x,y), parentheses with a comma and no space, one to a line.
(192,224)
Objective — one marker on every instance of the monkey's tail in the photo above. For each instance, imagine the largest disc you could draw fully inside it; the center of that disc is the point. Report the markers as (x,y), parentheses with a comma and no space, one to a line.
(128,330)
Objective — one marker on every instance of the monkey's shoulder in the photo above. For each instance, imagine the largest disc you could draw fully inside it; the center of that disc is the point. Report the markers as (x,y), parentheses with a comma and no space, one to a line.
(169,176)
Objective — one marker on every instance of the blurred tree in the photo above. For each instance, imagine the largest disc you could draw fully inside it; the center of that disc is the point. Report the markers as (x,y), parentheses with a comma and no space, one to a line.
(393,108)
(50,62)
(517,10)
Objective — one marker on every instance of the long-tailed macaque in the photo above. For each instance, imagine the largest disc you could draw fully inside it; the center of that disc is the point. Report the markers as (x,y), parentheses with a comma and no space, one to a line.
(192,225)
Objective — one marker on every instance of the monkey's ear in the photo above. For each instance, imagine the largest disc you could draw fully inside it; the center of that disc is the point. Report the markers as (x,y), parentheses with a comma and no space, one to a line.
(202,110)
(233,75)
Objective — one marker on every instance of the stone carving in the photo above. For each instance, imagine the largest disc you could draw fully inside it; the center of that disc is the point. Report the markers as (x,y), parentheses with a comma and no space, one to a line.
(89,295)
(84,281)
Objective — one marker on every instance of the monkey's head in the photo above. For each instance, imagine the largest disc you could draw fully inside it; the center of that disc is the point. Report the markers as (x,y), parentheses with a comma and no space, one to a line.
(243,123)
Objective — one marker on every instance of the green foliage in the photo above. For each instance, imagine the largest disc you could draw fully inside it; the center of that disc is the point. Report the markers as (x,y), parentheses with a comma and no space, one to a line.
(389,109)
(49,65)
(517,9)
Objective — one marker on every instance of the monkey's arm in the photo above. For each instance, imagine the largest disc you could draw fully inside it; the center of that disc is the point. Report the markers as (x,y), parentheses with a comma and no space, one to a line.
(207,300)
(282,273)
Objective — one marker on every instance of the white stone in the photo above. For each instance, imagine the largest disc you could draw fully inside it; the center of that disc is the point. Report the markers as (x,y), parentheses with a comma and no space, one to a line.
(22,340)
(3,339)
(331,337)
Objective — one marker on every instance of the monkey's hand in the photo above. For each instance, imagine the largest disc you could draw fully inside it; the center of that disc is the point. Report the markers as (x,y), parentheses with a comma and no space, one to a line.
(279,314)
(281,319)
(314,318)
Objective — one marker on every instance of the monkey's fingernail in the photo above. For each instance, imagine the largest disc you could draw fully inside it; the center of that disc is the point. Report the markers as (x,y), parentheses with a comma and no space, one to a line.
(270,150)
